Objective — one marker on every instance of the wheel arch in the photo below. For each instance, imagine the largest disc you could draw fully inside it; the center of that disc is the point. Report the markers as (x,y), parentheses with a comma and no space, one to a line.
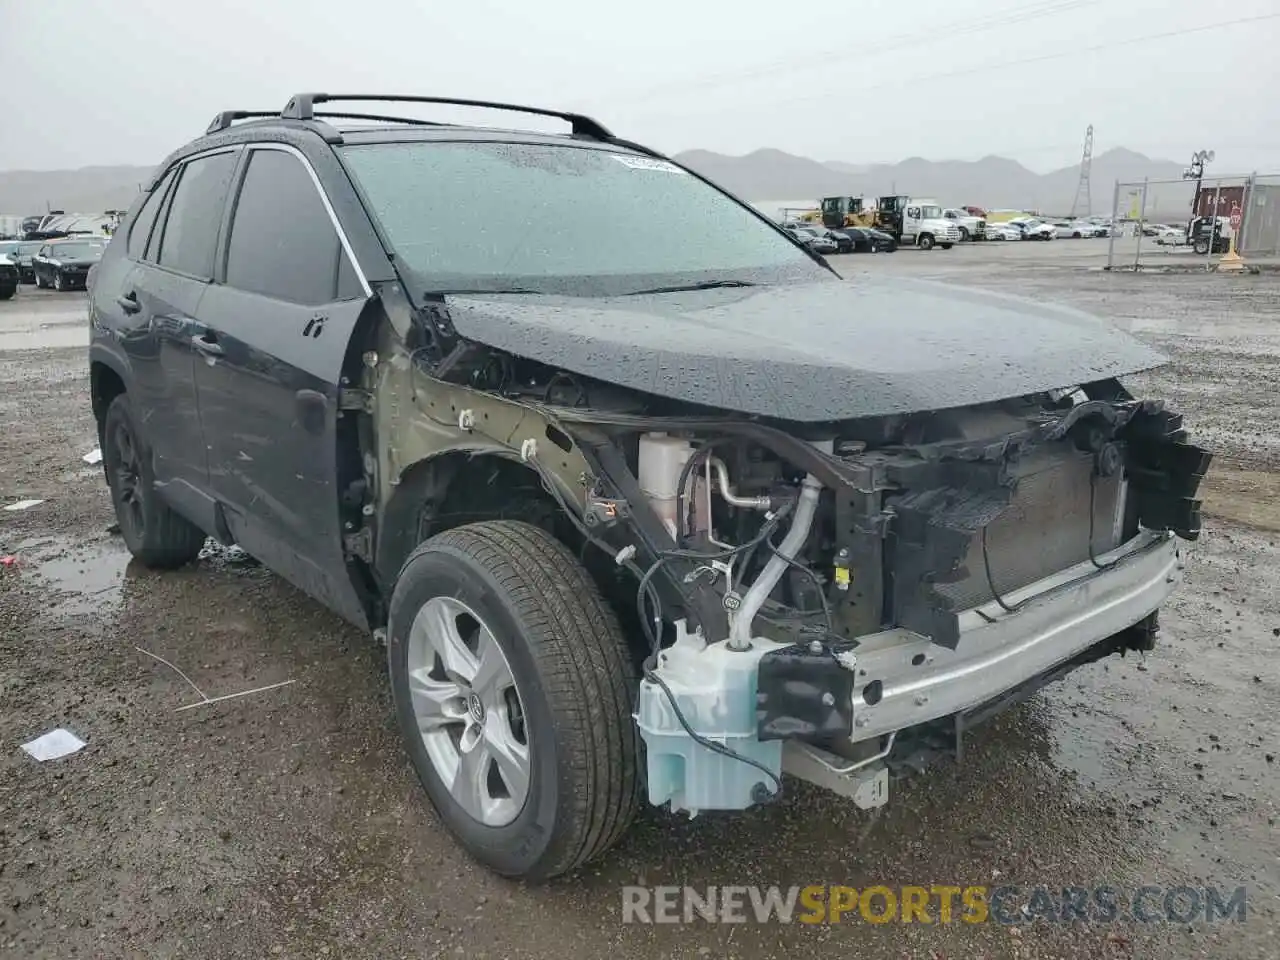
(108,378)
(450,489)
(458,487)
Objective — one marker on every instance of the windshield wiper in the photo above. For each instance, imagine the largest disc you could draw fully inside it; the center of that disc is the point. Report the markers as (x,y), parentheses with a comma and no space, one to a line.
(703,285)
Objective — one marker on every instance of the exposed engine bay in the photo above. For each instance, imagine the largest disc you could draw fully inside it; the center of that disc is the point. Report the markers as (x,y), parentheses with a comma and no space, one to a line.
(808,592)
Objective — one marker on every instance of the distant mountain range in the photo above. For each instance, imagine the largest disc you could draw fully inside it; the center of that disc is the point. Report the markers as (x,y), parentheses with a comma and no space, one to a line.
(992,182)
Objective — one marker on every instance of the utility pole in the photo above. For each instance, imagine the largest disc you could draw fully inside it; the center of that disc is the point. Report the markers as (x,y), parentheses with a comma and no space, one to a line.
(1196,172)
(1082,188)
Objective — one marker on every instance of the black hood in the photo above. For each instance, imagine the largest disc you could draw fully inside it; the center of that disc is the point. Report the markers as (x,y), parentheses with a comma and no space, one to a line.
(830,350)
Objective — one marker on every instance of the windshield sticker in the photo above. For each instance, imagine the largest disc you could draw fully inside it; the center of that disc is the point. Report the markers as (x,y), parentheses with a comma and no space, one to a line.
(647,163)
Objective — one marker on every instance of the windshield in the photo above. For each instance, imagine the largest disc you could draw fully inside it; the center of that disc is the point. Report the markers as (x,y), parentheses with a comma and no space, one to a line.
(75,251)
(931,213)
(564,219)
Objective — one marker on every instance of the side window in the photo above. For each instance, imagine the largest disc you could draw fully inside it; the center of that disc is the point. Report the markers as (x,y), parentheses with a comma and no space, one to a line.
(140,229)
(191,229)
(283,243)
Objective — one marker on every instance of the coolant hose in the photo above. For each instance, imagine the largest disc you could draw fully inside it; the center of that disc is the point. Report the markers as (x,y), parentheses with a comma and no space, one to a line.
(797,534)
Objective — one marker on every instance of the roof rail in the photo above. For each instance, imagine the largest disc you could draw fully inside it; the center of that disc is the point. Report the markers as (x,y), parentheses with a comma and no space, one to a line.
(302,107)
(412,121)
(227,117)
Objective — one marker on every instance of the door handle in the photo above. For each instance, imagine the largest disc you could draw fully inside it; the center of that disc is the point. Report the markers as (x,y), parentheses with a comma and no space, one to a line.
(206,346)
(128,302)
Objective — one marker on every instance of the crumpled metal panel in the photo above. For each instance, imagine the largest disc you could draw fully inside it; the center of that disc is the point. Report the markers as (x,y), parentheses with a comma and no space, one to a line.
(811,352)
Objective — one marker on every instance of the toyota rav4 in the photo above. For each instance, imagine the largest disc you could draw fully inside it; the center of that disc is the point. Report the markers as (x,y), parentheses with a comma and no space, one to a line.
(666,512)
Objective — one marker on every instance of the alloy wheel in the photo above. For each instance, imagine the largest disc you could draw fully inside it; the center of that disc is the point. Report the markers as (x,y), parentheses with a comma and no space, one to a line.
(128,475)
(468,711)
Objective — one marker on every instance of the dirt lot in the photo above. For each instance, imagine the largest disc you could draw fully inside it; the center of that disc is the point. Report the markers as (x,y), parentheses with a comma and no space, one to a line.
(288,823)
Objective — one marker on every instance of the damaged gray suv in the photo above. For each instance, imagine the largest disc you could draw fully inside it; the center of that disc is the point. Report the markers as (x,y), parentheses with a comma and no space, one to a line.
(665,512)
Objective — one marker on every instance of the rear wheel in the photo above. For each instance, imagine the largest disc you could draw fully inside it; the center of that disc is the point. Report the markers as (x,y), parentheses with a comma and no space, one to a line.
(946,246)
(153,532)
(514,689)
(925,242)
(6,293)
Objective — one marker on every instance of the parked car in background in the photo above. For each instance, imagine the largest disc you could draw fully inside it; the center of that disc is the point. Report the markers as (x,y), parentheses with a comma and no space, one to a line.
(870,240)
(814,239)
(8,278)
(1001,231)
(843,242)
(1072,229)
(64,264)
(21,252)
(1172,236)
(1033,229)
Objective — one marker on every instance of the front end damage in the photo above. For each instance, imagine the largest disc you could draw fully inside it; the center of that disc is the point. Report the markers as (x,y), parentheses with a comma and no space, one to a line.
(838,601)
(840,606)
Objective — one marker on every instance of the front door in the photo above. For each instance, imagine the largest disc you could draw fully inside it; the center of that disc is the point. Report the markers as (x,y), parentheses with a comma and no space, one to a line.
(273,339)
(911,223)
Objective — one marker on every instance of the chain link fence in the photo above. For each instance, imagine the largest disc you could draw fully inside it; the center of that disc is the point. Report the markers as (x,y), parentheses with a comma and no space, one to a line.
(1163,223)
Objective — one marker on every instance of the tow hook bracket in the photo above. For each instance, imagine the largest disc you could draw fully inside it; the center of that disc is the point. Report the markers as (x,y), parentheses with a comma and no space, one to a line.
(866,786)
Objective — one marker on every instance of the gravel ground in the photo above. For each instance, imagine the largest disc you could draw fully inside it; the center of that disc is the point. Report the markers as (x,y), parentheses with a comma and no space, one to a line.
(288,823)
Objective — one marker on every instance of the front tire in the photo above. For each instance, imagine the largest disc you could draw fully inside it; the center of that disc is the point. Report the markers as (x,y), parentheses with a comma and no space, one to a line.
(58,283)
(514,689)
(946,246)
(964,234)
(6,293)
(156,535)
(925,242)
(1201,247)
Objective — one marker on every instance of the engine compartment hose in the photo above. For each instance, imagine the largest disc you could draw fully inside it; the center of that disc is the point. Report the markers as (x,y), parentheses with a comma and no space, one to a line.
(797,534)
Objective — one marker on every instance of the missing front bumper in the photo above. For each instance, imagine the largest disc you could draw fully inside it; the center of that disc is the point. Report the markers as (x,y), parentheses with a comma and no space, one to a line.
(903,679)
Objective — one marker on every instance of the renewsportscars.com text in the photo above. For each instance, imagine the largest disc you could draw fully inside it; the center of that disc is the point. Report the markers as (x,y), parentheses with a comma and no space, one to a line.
(937,903)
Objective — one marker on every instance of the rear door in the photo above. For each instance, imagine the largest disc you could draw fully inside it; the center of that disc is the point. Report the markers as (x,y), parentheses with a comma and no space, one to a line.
(162,292)
(277,329)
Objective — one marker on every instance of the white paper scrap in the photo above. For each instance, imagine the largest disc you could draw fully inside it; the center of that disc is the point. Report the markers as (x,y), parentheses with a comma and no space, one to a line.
(93,456)
(54,744)
(23,505)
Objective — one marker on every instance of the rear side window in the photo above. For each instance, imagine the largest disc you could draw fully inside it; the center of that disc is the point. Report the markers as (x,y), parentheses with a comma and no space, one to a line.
(140,230)
(191,230)
(283,243)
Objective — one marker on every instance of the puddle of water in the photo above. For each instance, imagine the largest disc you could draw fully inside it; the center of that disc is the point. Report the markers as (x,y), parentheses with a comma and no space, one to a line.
(89,578)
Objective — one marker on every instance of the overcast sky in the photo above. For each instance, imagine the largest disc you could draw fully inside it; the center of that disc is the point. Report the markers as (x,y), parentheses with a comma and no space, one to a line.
(124,82)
